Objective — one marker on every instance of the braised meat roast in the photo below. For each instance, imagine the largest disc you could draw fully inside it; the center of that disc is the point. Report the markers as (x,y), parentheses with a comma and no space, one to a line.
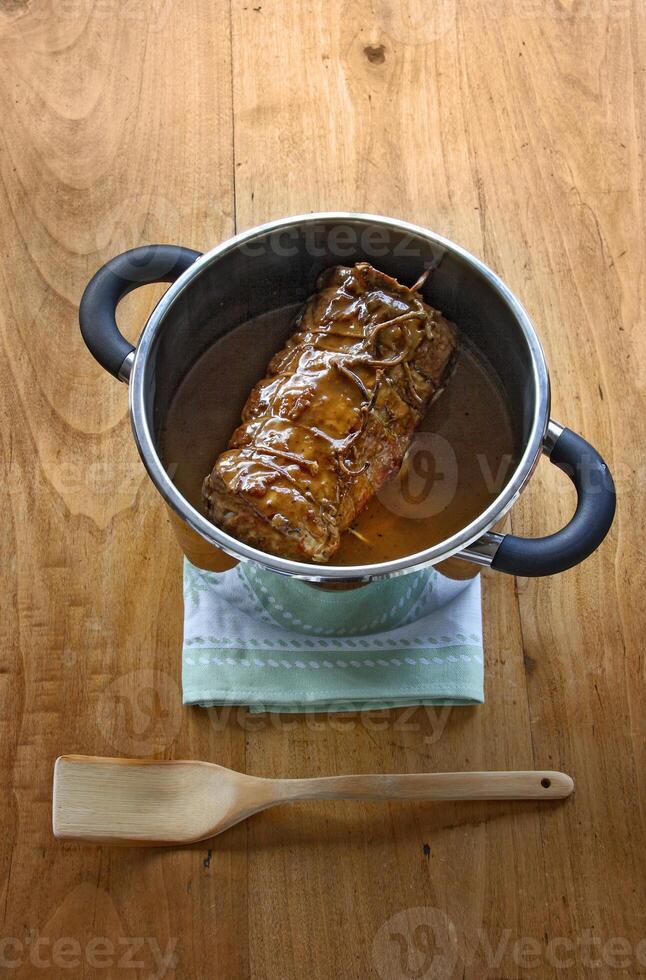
(334,416)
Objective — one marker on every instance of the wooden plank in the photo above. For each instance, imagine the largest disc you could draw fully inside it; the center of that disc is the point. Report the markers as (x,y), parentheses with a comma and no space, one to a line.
(116,131)
(468,120)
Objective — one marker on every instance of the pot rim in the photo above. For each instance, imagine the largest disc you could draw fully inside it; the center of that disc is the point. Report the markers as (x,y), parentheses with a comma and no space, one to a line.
(339,573)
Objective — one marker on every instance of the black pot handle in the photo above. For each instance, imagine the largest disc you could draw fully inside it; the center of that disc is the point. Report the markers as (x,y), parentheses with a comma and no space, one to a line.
(591,522)
(119,276)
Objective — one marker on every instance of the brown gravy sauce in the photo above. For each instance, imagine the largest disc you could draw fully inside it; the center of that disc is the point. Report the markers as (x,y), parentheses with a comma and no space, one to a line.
(462,454)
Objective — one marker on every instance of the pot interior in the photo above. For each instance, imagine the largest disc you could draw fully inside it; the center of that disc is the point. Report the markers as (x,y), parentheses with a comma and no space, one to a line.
(218,335)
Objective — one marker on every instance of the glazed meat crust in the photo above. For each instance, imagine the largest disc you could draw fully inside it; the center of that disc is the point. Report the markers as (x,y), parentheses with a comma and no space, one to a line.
(333,418)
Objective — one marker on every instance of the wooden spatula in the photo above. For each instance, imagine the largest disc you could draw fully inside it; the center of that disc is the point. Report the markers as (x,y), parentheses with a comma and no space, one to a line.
(138,801)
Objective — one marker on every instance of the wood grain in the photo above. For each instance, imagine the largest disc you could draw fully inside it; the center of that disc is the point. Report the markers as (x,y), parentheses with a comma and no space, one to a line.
(514,129)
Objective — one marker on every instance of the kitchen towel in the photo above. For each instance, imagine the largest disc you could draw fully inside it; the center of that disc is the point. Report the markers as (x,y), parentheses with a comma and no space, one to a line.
(255,638)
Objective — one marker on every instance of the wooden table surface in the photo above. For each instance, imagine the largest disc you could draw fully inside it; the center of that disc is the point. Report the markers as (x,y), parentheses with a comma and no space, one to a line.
(513,128)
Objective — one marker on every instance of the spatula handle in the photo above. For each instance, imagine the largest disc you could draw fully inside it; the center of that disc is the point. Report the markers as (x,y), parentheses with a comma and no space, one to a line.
(533,785)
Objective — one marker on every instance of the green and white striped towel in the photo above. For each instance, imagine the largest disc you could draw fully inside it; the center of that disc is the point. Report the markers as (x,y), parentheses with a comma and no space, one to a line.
(255,638)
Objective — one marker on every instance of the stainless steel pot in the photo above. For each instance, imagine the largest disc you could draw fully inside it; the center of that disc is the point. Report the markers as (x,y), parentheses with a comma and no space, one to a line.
(276,264)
